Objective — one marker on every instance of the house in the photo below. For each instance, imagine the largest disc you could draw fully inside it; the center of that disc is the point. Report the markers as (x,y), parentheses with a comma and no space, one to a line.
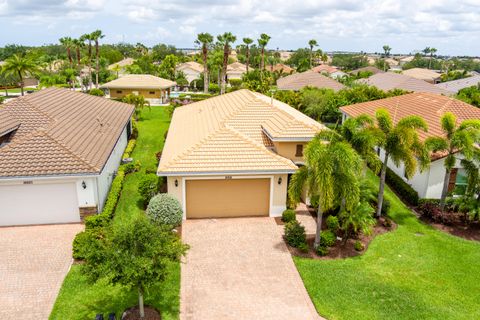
(390,80)
(120,67)
(236,70)
(330,71)
(431,107)
(231,155)
(370,69)
(427,75)
(457,85)
(285,55)
(298,81)
(404,60)
(391,62)
(59,151)
(154,89)
(280,68)
(192,70)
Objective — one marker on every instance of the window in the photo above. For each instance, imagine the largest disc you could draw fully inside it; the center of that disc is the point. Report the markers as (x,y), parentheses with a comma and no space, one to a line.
(378,151)
(151,92)
(460,182)
(119,91)
(299,152)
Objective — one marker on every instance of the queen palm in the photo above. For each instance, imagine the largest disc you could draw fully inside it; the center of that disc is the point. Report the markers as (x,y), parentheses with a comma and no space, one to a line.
(88,37)
(312,43)
(247,42)
(330,173)
(19,66)
(456,139)
(96,36)
(78,44)
(67,42)
(262,43)
(205,40)
(432,51)
(400,143)
(225,40)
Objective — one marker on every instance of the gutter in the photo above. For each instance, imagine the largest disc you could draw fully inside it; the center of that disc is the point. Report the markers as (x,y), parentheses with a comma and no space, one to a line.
(222,173)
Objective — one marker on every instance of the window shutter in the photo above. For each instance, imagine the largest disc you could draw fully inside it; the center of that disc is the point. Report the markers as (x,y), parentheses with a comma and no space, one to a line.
(453,179)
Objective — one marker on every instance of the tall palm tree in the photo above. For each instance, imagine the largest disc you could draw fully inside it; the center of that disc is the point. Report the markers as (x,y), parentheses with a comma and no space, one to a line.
(67,42)
(88,37)
(262,43)
(432,52)
(312,43)
(247,42)
(78,44)
(426,51)
(96,36)
(331,172)
(6,80)
(386,50)
(456,139)
(205,40)
(225,40)
(401,143)
(19,66)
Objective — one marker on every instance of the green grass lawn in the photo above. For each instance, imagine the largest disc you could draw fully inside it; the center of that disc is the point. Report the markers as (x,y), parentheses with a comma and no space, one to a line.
(414,272)
(79,299)
(17,90)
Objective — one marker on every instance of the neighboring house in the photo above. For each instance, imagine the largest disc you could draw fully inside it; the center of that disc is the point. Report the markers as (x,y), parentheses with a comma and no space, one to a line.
(371,69)
(154,89)
(281,68)
(285,55)
(427,75)
(457,85)
(390,80)
(231,155)
(236,70)
(330,71)
(192,70)
(431,107)
(59,152)
(120,67)
(391,62)
(298,81)
(405,60)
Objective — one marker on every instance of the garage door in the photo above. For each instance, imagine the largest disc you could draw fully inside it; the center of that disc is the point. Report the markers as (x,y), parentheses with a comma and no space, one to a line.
(38,204)
(227,198)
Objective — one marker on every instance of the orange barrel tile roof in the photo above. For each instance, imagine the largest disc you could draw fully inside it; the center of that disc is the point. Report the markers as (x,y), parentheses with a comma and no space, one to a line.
(298,81)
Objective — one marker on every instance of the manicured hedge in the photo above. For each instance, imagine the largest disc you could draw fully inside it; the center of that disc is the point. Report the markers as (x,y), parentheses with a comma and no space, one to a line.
(129,149)
(403,189)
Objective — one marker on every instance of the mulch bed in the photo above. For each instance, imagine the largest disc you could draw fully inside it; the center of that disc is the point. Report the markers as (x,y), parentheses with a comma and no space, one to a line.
(279,221)
(341,250)
(133,314)
(458,229)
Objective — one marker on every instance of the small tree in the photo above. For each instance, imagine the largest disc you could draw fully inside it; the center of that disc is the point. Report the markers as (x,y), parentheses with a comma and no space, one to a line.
(138,101)
(135,255)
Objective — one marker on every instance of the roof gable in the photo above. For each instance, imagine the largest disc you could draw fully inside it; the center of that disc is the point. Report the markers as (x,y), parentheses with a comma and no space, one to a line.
(139,81)
(298,81)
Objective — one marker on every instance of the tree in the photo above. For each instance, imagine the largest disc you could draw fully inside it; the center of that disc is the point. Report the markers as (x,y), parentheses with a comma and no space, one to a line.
(19,66)
(456,139)
(312,43)
(138,101)
(386,50)
(262,43)
(330,173)
(136,255)
(89,38)
(7,80)
(247,42)
(67,42)
(426,51)
(78,44)
(96,36)
(167,68)
(432,51)
(205,40)
(401,143)
(225,40)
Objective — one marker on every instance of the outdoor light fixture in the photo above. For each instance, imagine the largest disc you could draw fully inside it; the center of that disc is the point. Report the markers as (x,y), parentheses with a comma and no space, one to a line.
(84,185)
(176,183)
(280,180)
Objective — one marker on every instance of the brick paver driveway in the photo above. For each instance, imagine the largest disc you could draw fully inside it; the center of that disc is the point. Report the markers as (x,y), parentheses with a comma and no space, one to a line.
(240,269)
(33,262)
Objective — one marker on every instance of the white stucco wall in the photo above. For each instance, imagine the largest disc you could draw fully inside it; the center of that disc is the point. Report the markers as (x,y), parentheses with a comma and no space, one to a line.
(191,74)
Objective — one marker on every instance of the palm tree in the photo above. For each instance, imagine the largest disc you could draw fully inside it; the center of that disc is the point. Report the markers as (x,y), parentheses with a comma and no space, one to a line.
(138,101)
(401,143)
(432,52)
(88,37)
(426,51)
(331,172)
(386,50)
(19,66)
(6,80)
(67,42)
(97,35)
(225,40)
(205,40)
(78,44)
(262,43)
(247,42)
(312,43)
(457,139)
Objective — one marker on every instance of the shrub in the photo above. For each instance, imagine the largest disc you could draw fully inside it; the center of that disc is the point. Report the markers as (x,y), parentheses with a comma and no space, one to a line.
(132,167)
(303,247)
(148,187)
(403,189)
(295,233)
(96,92)
(321,251)
(235,82)
(327,238)
(430,210)
(288,215)
(114,194)
(213,88)
(358,246)
(96,221)
(165,209)
(134,134)
(385,207)
(332,223)
(2,99)
(84,243)
(129,149)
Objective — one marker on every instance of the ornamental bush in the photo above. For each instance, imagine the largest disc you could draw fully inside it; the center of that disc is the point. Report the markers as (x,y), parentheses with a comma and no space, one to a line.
(148,187)
(358,246)
(129,149)
(321,251)
(332,223)
(96,92)
(327,238)
(288,215)
(403,189)
(165,209)
(295,234)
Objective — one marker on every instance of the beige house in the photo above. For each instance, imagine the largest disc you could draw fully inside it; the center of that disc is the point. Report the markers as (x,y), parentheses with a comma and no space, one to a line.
(119,68)
(297,81)
(427,75)
(231,155)
(192,70)
(281,68)
(154,89)
(236,70)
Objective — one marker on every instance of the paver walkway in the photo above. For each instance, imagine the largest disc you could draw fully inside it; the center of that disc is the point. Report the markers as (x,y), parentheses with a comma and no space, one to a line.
(240,269)
(34,260)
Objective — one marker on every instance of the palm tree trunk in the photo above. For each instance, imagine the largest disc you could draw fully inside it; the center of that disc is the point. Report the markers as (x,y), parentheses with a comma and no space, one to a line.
(262,62)
(21,82)
(205,71)
(311,56)
(247,53)
(140,303)
(381,188)
(224,68)
(342,204)
(98,63)
(316,244)
(446,182)
(69,54)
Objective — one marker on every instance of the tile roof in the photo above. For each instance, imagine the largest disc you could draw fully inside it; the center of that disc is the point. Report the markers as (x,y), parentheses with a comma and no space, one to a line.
(280,67)
(391,80)
(236,67)
(457,85)
(371,69)
(61,132)
(429,106)
(122,63)
(190,65)
(139,81)
(298,81)
(7,123)
(232,133)
(422,74)
(324,68)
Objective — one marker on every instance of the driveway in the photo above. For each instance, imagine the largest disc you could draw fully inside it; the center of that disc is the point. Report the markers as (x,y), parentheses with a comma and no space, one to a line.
(34,261)
(240,269)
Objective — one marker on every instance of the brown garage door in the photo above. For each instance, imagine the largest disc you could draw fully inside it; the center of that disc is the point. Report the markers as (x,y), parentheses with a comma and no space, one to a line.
(227,198)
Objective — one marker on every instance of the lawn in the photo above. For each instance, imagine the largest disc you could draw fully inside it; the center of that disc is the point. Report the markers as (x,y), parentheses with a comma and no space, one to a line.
(415,272)
(79,299)
(17,90)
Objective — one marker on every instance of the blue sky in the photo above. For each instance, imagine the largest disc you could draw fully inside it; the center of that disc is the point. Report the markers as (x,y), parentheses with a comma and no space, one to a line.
(453,27)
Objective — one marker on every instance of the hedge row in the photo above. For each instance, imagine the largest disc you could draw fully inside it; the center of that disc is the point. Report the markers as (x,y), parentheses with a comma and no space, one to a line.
(403,189)
(129,149)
